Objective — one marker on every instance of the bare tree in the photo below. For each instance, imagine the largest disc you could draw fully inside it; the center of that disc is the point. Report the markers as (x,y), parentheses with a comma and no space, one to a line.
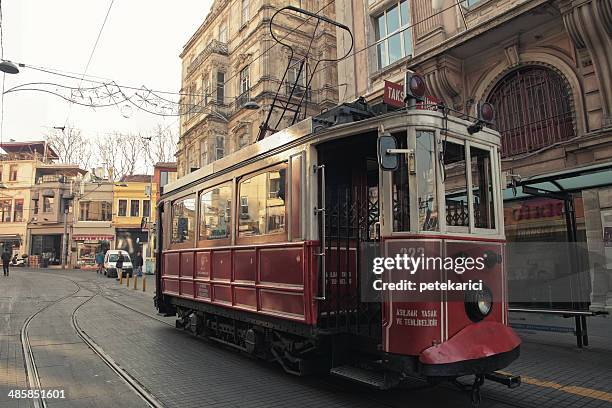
(108,153)
(71,146)
(131,149)
(161,146)
(120,153)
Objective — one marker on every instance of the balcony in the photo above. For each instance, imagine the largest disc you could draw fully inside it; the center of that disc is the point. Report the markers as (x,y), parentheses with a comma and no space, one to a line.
(242,99)
(211,108)
(299,91)
(214,47)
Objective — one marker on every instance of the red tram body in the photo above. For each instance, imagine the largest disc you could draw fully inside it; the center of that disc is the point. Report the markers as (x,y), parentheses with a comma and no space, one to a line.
(269,249)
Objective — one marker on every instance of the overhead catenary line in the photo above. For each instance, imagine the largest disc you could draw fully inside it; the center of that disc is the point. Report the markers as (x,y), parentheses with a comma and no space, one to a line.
(261,54)
(143,102)
(293,30)
(100,80)
(3,74)
(110,6)
(456,4)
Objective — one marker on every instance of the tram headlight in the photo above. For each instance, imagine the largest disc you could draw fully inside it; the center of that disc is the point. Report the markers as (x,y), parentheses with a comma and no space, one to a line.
(478,303)
(485,115)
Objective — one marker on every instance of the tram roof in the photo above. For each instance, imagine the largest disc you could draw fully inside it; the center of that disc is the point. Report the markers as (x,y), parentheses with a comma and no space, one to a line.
(311,129)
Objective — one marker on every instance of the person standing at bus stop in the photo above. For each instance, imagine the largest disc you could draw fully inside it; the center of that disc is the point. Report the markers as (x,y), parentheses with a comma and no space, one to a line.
(6,261)
(119,265)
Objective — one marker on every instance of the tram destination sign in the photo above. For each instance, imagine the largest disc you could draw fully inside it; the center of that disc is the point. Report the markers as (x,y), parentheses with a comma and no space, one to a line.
(394,96)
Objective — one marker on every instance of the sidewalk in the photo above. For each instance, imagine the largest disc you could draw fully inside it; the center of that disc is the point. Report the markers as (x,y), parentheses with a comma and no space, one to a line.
(555,373)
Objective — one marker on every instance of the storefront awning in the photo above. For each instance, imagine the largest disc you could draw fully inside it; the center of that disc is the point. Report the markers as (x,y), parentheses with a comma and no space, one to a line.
(571,180)
(10,237)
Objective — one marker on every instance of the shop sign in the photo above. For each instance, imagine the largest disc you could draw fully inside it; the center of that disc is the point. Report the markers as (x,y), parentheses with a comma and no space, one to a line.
(539,209)
(93,237)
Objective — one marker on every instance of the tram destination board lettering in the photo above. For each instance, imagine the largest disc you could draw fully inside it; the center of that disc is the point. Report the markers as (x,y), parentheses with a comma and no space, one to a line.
(416,318)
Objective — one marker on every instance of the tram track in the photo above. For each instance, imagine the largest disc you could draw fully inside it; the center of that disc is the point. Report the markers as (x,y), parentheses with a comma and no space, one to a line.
(97,289)
(30,367)
(28,356)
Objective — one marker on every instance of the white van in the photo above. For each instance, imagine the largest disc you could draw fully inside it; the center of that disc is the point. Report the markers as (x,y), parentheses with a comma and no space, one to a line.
(110,263)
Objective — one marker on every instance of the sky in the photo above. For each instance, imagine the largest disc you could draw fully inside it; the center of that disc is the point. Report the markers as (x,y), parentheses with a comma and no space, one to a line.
(139,45)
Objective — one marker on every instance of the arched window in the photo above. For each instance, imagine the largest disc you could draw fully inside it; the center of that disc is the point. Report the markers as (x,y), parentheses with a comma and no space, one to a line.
(533,110)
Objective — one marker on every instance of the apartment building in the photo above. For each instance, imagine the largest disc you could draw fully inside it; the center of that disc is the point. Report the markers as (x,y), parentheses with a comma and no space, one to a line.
(232,64)
(546,68)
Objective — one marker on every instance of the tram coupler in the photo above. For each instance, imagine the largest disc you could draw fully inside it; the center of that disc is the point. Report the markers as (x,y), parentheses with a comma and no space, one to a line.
(510,381)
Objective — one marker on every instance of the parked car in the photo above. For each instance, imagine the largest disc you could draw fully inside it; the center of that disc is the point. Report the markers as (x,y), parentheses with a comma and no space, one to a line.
(18,260)
(110,263)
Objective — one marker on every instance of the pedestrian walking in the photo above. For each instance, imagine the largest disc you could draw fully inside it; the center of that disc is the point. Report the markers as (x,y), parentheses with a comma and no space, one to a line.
(119,265)
(138,262)
(100,261)
(6,261)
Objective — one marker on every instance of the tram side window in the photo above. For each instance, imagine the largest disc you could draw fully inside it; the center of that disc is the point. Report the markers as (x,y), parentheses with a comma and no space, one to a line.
(215,213)
(401,193)
(482,188)
(427,199)
(455,183)
(183,220)
(262,203)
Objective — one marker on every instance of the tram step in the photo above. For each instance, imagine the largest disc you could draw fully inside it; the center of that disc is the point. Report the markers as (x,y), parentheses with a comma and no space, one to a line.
(375,379)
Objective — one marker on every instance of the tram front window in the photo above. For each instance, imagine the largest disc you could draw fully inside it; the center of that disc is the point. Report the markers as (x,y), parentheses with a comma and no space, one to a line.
(455,183)
(427,200)
(482,188)
(401,194)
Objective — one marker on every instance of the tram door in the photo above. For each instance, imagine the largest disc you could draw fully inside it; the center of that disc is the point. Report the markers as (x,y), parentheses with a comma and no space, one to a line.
(351,234)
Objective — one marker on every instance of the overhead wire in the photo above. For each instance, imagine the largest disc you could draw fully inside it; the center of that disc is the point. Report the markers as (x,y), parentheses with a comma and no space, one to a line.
(194,106)
(261,54)
(99,80)
(92,53)
(456,4)
(3,74)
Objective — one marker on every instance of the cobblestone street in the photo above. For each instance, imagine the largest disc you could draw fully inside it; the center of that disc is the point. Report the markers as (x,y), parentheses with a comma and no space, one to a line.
(183,371)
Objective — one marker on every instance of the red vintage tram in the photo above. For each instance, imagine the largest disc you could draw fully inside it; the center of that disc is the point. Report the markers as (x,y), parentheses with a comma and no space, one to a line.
(270,249)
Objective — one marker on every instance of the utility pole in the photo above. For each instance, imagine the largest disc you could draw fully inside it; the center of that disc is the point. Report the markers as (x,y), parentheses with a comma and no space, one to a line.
(149,223)
(65,235)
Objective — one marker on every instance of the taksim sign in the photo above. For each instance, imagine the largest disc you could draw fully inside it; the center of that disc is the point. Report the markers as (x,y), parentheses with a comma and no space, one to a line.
(394,94)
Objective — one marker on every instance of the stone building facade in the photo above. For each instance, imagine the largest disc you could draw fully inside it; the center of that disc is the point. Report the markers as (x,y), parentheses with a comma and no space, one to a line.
(545,65)
(232,59)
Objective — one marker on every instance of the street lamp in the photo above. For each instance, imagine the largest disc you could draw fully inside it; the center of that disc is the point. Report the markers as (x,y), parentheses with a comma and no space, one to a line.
(8,67)
(250,105)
